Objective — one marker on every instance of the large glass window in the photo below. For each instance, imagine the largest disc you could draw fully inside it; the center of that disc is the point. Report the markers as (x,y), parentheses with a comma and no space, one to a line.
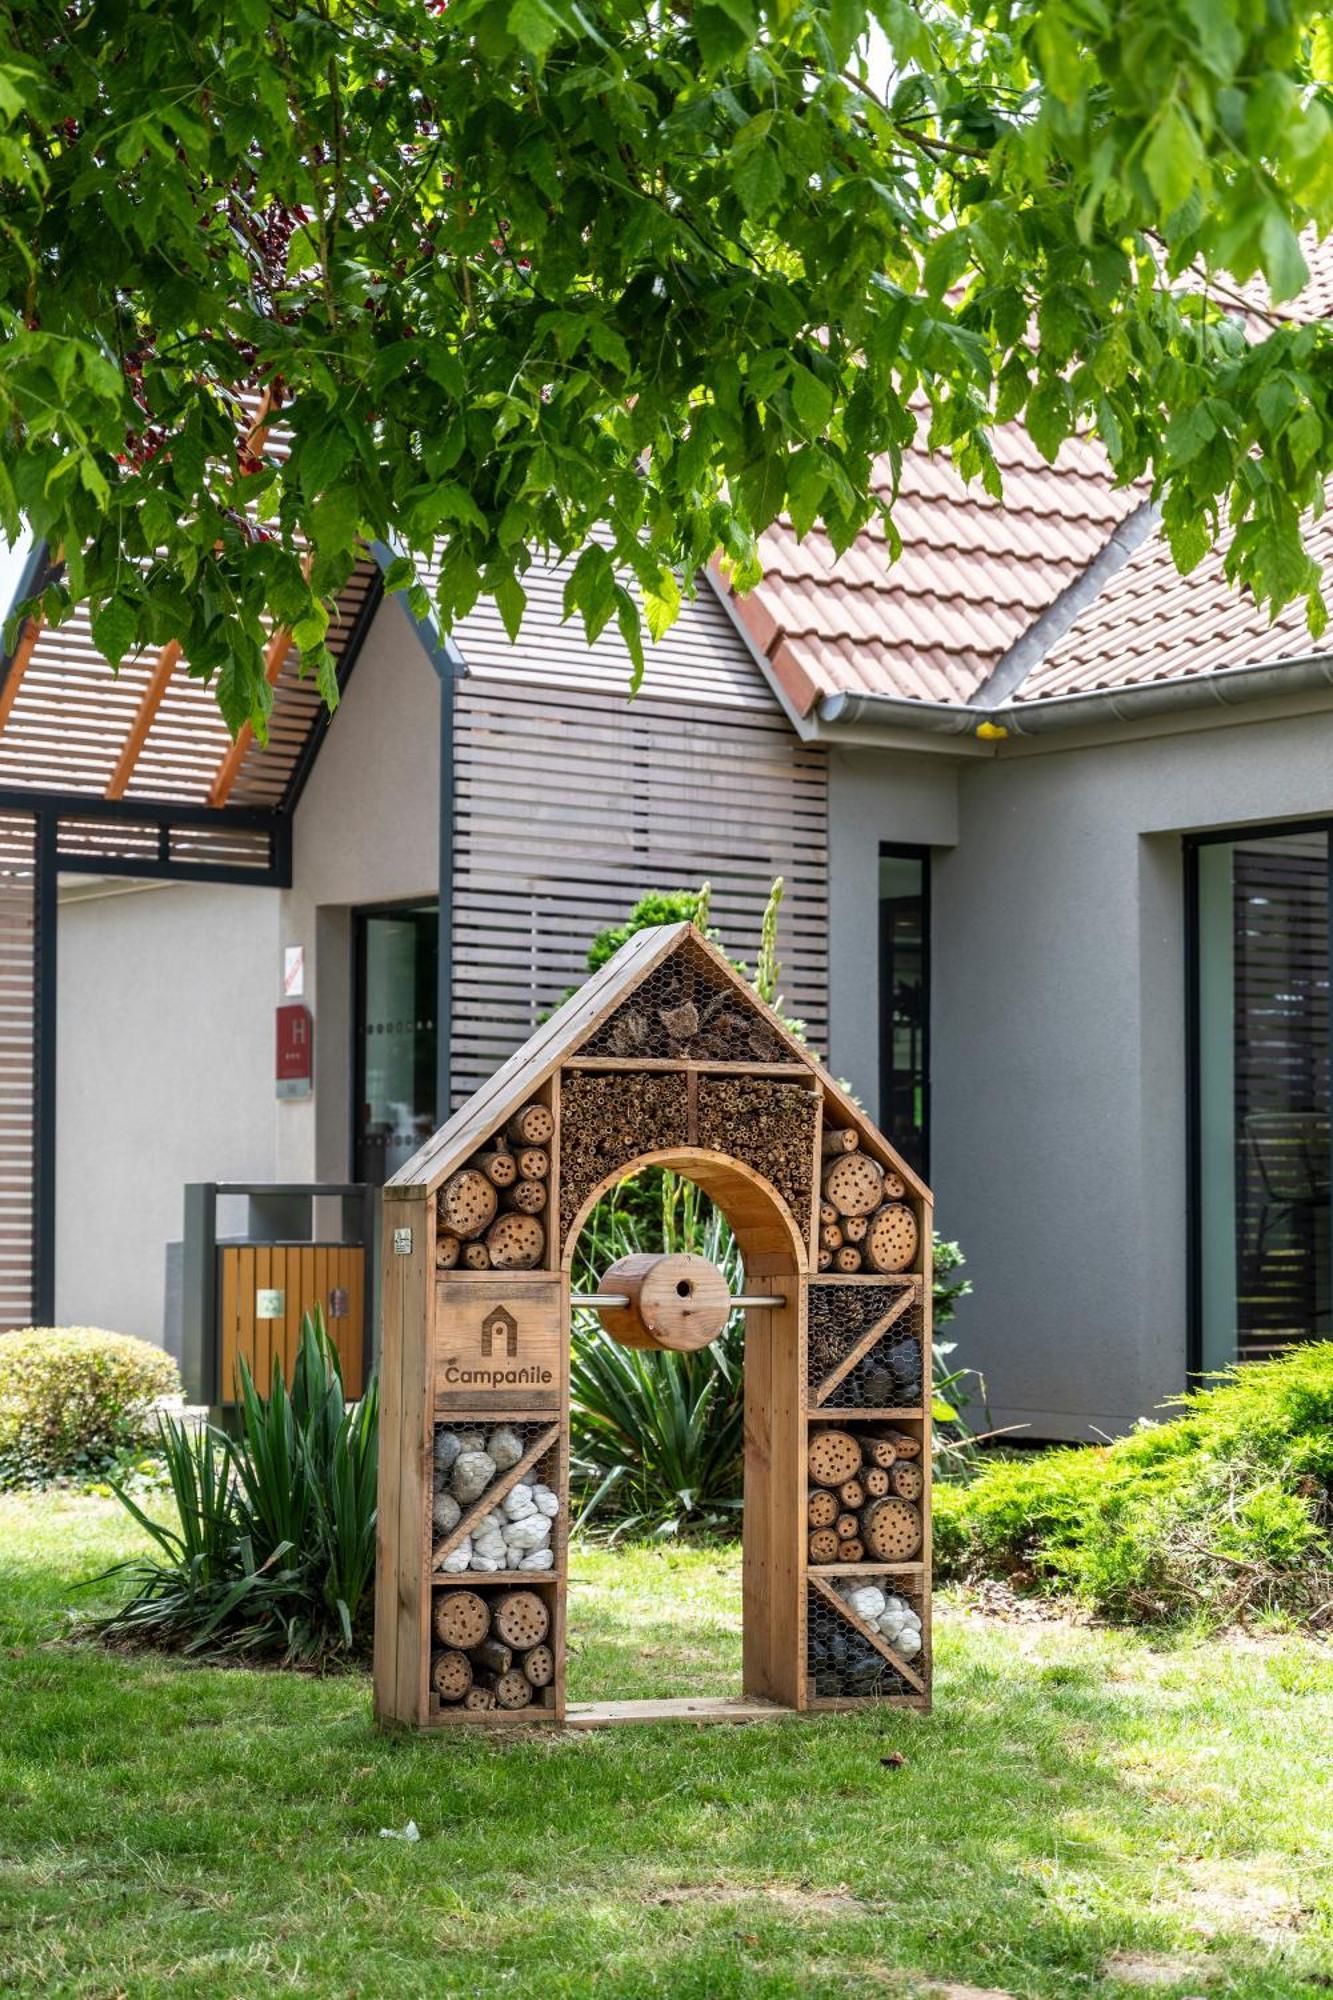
(395,1038)
(904,1001)
(1261,1094)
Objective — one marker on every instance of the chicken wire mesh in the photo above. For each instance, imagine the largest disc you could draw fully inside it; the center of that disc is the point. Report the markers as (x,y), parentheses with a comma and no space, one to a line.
(890,1375)
(685,1008)
(459,1481)
(841,1662)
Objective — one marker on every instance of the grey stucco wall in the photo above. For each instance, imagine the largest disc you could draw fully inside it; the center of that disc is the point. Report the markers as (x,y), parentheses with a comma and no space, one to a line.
(1058,1042)
(165,1064)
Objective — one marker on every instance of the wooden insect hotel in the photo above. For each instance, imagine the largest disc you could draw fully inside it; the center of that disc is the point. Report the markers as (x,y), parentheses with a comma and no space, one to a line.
(664,1058)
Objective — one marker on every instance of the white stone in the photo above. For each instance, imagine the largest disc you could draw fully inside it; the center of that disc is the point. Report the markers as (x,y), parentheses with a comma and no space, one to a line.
(539,1559)
(473,1473)
(545,1501)
(530,1533)
(909,1643)
(470,1441)
(459,1558)
(519,1503)
(492,1546)
(486,1564)
(447,1449)
(867,1601)
(446,1512)
(505,1447)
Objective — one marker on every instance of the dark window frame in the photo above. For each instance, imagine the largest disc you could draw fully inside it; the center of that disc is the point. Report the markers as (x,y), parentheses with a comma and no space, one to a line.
(1191,844)
(361,916)
(904,851)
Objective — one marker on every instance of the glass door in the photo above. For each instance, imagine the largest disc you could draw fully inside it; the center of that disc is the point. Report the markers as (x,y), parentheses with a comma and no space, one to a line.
(395,1038)
(1261,1110)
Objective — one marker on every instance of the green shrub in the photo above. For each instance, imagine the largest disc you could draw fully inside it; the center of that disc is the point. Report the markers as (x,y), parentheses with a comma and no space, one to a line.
(73,1399)
(1224,1510)
(272,1553)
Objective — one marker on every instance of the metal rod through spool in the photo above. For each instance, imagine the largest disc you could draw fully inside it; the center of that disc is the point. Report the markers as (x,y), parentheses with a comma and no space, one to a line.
(622,1299)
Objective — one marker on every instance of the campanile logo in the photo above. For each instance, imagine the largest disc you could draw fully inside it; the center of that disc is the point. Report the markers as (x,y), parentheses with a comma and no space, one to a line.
(499,1326)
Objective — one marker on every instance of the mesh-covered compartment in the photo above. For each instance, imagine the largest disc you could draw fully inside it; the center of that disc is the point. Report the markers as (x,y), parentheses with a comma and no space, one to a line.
(843,1663)
(686,1009)
(607,1118)
(889,1374)
(520,1488)
(769,1125)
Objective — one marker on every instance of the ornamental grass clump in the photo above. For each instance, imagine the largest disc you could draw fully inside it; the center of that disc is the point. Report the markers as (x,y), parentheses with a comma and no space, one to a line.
(75,1400)
(1222,1513)
(271,1553)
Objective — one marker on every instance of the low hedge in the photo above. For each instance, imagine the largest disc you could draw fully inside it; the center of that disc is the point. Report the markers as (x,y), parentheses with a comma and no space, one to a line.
(1224,1510)
(73,1399)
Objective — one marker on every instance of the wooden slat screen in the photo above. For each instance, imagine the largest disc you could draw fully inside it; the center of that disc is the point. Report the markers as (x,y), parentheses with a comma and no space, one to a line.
(307,1274)
(572,800)
(18,941)
(1281,940)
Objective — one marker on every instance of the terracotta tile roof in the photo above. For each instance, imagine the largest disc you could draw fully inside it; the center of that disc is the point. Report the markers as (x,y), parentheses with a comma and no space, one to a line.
(973,575)
(1149,623)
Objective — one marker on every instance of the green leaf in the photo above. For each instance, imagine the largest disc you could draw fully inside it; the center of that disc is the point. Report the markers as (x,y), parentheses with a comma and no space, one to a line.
(631,631)
(1189,431)
(720,37)
(1048,417)
(1173,159)
(1283,259)
(511,601)
(759,181)
(114,628)
(534,26)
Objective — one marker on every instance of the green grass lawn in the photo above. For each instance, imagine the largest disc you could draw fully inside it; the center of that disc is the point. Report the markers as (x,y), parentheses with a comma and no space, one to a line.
(1083,1814)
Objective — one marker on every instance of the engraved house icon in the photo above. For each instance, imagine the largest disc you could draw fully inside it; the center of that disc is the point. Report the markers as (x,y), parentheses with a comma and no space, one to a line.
(499,1325)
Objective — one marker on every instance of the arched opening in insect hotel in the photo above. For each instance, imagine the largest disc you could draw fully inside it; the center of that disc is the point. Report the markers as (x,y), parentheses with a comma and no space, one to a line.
(664,1058)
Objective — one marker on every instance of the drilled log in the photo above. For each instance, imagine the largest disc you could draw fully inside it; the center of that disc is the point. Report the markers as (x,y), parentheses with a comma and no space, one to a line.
(498,1165)
(511,1690)
(845,1527)
(905,1447)
(854,1183)
(534,1125)
(891,1529)
(480,1699)
(823,1546)
(476,1257)
(883,1450)
(907,1481)
(522,1619)
(876,1482)
(892,1238)
(825,1259)
(837,1139)
(534,1163)
(847,1260)
(821,1508)
(447,1249)
(494,1655)
(462,1619)
(525,1197)
(852,1551)
(830,1236)
(516,1242)
(450,1675)
(854,1228)
(833,1457)
(852,1493)
(468,1203)
(828,1215)
(539,1666)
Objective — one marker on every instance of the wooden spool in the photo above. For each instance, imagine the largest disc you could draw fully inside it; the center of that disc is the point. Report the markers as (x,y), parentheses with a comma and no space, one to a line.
(481,1699)
(447,1249)
(854,1183)
(468,1203)
(451,1675)
(852,1493)
(847,1259)
(522,1619)
(528,1197)
(823,1546)
(838,1139)
(462,1619)
(884,1451)
(516,1242)
(499,1167)
(833,1456)
(539,1666)
(853,1551)
(846,1527)
(876,1482)
(892,1237)
(514,1689)
(907,1481)
(534,1125)
(821,1509)
(476,1257)
(534,1163)
(854,1228)
(677,1302)
(891,1529)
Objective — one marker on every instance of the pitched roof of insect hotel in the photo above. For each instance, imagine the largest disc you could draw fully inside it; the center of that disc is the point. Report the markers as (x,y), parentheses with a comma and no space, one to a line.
(630,1016)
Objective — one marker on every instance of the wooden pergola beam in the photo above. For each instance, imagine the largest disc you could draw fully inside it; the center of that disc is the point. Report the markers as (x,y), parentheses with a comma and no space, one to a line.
(18,666)
(149,703)
(275,658)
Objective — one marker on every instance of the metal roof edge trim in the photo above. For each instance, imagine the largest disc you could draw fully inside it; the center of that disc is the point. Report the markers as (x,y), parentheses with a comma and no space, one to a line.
(440,649)
(805,729)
